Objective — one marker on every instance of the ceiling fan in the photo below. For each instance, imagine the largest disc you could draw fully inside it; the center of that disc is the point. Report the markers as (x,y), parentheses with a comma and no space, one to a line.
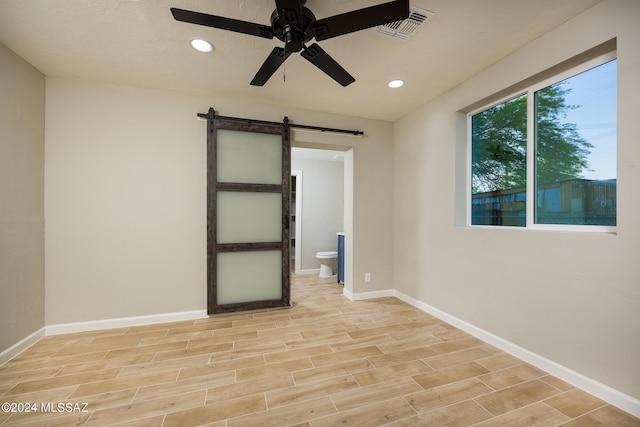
(295,25)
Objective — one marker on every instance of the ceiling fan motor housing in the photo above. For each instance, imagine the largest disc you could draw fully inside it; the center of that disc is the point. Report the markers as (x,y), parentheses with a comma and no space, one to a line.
(293,34)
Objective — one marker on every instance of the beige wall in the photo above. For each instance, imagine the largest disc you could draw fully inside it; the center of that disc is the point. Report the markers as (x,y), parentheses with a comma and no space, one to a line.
(126,191)
(570,297)
(21,199)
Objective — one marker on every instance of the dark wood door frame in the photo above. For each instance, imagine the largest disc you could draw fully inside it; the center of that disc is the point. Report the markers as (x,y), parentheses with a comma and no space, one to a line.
(215,123)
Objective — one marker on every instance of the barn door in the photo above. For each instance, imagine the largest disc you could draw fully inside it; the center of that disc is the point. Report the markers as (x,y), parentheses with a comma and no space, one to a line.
(248,181)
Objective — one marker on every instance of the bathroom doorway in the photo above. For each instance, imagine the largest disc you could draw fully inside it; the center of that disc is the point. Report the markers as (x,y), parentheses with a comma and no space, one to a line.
(317,205)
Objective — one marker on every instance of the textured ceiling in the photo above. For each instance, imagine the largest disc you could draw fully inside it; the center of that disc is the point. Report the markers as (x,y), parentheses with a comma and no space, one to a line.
(137,42)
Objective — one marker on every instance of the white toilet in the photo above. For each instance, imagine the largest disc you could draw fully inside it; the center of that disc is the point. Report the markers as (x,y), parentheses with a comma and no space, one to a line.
(327,262)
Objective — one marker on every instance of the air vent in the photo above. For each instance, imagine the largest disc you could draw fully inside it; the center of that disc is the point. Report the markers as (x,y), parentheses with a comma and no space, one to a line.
(406,28)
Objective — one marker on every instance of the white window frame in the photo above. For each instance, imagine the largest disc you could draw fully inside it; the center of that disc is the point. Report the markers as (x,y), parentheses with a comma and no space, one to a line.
(530,186)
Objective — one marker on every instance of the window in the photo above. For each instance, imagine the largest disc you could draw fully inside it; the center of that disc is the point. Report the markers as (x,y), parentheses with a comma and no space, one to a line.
(546,157)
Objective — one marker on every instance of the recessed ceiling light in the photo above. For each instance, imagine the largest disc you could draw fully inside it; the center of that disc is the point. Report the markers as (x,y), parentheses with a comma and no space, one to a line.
(394,84)
(201,45)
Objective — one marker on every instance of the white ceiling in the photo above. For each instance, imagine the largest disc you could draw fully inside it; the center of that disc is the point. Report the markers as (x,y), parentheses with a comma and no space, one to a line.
(138,43)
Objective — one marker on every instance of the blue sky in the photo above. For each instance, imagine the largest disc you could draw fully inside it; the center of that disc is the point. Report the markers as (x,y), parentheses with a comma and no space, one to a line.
(596,94)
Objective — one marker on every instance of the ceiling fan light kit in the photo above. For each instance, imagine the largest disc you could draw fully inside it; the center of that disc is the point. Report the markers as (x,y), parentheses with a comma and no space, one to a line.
(295,25)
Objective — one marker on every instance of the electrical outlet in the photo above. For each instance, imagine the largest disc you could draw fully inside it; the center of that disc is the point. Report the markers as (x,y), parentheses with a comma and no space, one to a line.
(367,277)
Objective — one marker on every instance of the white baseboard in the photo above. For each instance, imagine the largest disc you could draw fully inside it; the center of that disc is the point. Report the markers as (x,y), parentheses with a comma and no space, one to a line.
(368,295)
(95,325)
(123,322)
(21,346)
(614,397)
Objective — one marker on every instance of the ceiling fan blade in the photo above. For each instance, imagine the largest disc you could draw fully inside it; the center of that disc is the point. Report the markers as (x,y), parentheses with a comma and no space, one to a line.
(222,23)
(321,59)
(275,59)
(360,19)
(289,11)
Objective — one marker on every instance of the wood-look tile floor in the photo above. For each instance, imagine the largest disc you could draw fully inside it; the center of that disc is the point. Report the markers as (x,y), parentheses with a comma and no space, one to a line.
(324,362)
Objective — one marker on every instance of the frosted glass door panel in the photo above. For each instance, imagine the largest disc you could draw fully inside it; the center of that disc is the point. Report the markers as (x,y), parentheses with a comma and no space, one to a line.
(249,276)
(249,217)
(249,157)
